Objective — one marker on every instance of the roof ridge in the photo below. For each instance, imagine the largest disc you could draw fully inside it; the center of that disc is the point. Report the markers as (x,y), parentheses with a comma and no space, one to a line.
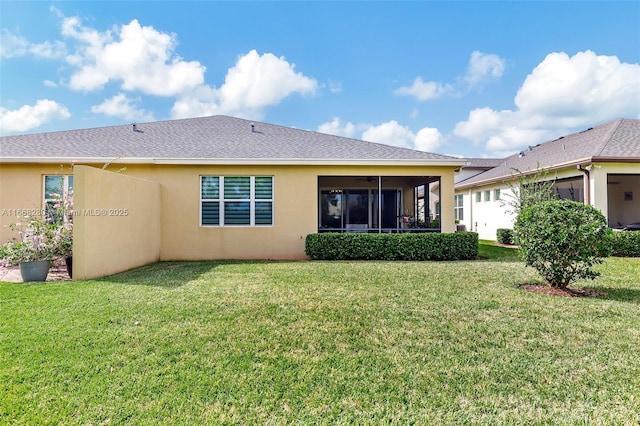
(609,135)
(316,132)
(214,138)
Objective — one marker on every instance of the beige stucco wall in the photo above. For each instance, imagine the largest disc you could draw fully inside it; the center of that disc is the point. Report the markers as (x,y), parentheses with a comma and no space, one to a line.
(21,192)
(184,239)
(116,223)
(295,209)
(163,211)
(447,192)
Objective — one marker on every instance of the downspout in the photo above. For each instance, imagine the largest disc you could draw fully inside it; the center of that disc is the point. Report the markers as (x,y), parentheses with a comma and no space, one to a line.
(586,184)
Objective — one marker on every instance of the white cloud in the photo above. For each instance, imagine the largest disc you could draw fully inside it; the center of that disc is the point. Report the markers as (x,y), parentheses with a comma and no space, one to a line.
(252,84)
(508,137)
(480,124)
(483,67)
(580,89)
(123,107)
(200,102)
(335,127)
(423,91)
(139,57)
(390,133)
(260,80)
(335,86)
(560,95)
(144,60)
(31,116)
(14,45)
(428,139)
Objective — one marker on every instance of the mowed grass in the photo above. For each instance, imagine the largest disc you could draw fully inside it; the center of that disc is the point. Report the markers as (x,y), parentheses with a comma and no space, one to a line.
(321,343)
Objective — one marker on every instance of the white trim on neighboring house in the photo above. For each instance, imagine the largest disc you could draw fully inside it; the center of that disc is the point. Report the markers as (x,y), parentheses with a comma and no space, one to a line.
(595,188)
(599,166)
(485,217)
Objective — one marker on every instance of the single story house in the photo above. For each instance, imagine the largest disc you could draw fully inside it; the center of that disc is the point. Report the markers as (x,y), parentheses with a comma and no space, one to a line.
(214,188)
(599,166)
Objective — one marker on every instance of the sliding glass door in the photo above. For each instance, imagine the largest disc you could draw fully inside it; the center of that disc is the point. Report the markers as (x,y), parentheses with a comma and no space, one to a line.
(359,210)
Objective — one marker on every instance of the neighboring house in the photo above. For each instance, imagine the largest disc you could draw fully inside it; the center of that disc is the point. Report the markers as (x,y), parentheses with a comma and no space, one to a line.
(599,166)
(474,166)
(213,188)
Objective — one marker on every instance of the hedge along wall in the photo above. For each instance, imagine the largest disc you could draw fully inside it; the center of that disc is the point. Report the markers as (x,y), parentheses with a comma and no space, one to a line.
(425,246)
(626,244)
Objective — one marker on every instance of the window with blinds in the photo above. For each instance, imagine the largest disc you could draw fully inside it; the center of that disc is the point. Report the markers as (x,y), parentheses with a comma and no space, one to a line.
(236,200)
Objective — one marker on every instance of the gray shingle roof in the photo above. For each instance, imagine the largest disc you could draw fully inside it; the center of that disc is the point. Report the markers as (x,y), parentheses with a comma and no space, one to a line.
(617,140)
(205,138)
(483,163)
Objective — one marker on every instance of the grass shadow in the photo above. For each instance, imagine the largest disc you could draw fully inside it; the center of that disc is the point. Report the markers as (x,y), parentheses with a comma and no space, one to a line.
(629,295)
(163,274)
(492,252)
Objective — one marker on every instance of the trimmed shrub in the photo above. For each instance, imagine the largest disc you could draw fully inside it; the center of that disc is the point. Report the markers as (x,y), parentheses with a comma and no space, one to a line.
(562,240)
(504,236)
(626,244)
(407,246)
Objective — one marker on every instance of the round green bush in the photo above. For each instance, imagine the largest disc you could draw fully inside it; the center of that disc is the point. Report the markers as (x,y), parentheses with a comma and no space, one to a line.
(562,240)
(504,236)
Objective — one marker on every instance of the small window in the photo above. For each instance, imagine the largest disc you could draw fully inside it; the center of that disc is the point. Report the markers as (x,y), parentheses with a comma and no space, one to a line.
(210,200)
(478,197)
(458,209)
(57,188)
(496,194)
(487,195)
(236,200)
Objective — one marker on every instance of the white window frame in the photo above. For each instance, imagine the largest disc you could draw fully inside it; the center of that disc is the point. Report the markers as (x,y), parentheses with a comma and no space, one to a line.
(458,207)
(496,194)
(252,200)
(487,195)
(46,198)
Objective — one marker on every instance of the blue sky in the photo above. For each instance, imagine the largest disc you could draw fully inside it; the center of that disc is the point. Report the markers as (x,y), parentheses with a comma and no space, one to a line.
(474,79)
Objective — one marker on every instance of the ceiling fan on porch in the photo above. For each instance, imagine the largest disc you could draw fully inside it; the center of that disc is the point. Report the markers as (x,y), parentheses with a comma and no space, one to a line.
(368,179)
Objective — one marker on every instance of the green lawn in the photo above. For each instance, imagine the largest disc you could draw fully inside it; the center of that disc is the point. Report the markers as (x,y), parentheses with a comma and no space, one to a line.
(322,343)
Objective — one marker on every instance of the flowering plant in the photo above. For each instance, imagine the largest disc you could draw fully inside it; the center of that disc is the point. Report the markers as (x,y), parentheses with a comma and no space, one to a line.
(42,238)
(64,236)
(37,241)
(61,215)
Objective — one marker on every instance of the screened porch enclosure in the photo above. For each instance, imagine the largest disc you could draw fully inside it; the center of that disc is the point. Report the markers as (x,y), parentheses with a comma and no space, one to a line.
(378,204)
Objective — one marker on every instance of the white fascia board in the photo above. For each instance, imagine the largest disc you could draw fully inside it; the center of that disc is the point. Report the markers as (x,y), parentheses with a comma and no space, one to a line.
(233,161)
(309,162)
(72,160)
